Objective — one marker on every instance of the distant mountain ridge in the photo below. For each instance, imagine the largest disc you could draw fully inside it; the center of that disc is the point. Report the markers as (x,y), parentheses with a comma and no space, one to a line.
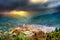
(52,19)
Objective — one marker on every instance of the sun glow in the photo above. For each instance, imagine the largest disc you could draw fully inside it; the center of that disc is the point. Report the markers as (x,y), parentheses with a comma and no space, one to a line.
(21,13)
(36,1)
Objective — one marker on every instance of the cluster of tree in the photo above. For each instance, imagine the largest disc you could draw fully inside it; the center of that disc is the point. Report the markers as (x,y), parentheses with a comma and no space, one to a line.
(20,36)
(55,35)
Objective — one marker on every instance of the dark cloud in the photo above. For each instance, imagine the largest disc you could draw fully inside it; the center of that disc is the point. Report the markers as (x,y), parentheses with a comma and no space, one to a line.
(7,5)
(12,4)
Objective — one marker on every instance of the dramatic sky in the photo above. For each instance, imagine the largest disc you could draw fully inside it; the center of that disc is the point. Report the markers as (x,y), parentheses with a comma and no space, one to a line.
(30,5)
(32,10)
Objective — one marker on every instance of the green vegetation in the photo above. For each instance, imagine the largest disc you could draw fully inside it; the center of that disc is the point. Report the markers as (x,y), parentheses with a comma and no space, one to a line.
(41,38)
(17,35)
(55,35)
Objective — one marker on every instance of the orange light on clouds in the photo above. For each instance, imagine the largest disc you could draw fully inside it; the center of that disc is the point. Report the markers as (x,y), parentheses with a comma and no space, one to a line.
(21,13)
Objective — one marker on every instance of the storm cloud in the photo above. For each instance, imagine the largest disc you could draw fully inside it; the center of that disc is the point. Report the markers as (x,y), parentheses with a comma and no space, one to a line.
(7,5)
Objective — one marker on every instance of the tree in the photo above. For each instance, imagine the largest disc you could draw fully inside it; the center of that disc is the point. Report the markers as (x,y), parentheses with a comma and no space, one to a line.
(56,30)
(59,29)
